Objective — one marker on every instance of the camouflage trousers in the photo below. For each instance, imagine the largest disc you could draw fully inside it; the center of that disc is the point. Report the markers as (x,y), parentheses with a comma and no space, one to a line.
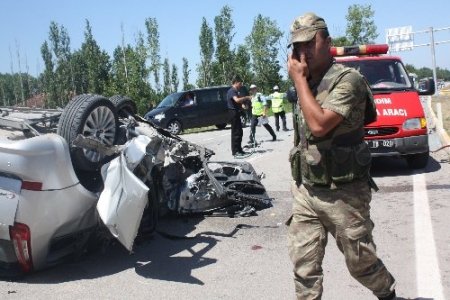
(345,213)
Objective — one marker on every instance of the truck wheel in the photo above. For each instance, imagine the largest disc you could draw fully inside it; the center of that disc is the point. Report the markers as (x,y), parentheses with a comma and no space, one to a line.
(124,106)
(93,116)
(174,127)
(417,161)
(221,126)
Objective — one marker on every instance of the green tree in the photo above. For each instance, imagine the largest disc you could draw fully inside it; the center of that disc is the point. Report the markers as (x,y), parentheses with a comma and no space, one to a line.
(64,80)
(341,41)
(48,82)
(95,62)
(443,74)
(153,44)
(424,72)
(175,80)
(186,72)
(206,54)
(118,82)
(242,64)
(410,68)
(140,73)
(262,42)
(223,33)
(7,89)
(361,28)
(167,88)
(137,89)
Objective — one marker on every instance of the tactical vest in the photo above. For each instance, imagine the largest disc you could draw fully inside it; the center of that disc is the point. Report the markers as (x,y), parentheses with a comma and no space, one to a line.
(257,105)
(339,157)
(277,102)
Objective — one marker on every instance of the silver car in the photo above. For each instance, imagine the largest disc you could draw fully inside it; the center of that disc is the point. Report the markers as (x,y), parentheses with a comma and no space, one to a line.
(107,172)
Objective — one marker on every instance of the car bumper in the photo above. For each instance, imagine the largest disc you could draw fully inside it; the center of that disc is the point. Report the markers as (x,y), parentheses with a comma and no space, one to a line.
(9,266)
(10,270)
(401,146)
(157,122)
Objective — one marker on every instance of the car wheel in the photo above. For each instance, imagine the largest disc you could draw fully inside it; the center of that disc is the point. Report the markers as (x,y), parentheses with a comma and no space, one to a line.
(174,127)
(417,161)
(92,116)
(125,106)
(221,126)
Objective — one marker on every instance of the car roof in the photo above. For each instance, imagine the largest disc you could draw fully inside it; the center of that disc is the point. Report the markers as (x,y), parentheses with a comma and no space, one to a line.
(366,57)
(209,88)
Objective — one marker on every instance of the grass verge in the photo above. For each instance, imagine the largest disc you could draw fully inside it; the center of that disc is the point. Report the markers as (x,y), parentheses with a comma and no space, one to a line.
(445,104)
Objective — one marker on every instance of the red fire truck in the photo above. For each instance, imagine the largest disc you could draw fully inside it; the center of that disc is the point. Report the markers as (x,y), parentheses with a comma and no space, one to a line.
(401,126)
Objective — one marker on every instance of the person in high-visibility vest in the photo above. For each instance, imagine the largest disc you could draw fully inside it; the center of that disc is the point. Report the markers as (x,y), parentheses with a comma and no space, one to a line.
(278,107)
(259,114)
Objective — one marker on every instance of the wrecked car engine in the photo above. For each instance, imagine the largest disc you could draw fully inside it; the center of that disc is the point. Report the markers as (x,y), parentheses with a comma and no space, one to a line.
(179,175)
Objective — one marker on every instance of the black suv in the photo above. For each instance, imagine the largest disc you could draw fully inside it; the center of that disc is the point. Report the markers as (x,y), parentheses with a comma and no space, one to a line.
(194,108)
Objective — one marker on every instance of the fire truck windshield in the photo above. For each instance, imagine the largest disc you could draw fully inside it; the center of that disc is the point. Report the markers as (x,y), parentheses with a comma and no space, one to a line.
(382,74)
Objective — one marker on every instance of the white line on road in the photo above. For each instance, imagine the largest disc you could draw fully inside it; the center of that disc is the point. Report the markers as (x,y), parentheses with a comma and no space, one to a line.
(427,267)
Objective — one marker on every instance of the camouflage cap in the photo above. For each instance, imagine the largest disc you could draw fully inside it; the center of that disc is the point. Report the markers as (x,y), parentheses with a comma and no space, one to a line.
(304,28)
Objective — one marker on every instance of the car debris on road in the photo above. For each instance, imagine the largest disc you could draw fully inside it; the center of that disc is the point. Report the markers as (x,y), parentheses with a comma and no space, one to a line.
(107,167)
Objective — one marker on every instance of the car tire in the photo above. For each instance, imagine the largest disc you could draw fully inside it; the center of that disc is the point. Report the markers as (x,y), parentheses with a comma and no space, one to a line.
(174,127)
(92,116)
(124,106)
(221,126)
(417,161)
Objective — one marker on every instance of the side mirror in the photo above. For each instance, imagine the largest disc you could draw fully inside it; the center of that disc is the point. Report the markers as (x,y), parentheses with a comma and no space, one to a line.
(427,87)
(291,95)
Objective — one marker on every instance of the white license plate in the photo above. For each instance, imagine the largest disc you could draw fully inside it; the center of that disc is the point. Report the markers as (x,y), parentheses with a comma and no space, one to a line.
(380,144)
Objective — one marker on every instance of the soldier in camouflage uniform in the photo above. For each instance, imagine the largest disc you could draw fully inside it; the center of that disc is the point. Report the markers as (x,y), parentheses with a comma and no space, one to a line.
(330,165)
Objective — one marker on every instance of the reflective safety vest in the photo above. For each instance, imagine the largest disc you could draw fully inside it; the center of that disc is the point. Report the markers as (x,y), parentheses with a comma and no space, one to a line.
(257,105)
(277,102)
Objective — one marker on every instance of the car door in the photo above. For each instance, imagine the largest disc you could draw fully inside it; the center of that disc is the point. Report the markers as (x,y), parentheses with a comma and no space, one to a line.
(214,110)
(124,197)
(189,114)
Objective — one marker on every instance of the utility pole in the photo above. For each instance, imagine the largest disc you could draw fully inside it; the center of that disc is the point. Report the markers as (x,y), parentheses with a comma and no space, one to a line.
(433,55)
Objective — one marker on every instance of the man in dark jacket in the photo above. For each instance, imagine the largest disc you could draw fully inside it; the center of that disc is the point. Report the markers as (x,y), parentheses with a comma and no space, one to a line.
(234,103)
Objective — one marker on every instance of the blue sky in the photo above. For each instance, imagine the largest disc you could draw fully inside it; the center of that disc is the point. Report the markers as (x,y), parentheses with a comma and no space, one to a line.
(26,23)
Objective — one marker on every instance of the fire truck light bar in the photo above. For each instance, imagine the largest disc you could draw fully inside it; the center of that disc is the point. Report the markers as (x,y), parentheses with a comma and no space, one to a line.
(359,50)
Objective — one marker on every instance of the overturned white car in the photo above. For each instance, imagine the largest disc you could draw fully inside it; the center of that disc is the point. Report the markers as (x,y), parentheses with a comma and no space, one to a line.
(106,168)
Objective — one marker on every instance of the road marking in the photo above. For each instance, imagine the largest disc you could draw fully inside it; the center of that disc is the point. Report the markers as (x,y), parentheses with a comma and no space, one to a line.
(429,284)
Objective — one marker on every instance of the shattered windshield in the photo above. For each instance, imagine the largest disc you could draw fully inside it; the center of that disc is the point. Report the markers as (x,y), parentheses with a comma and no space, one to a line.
(169,100)
(382,74)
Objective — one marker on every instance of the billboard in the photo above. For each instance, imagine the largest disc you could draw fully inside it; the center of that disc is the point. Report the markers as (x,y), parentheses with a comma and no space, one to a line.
(400,38)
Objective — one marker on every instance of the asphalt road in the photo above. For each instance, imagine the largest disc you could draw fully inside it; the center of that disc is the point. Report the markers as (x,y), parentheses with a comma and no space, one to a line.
(246,258)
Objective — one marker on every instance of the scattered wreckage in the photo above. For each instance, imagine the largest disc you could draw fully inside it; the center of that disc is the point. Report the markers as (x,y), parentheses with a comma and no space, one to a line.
(106,167)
